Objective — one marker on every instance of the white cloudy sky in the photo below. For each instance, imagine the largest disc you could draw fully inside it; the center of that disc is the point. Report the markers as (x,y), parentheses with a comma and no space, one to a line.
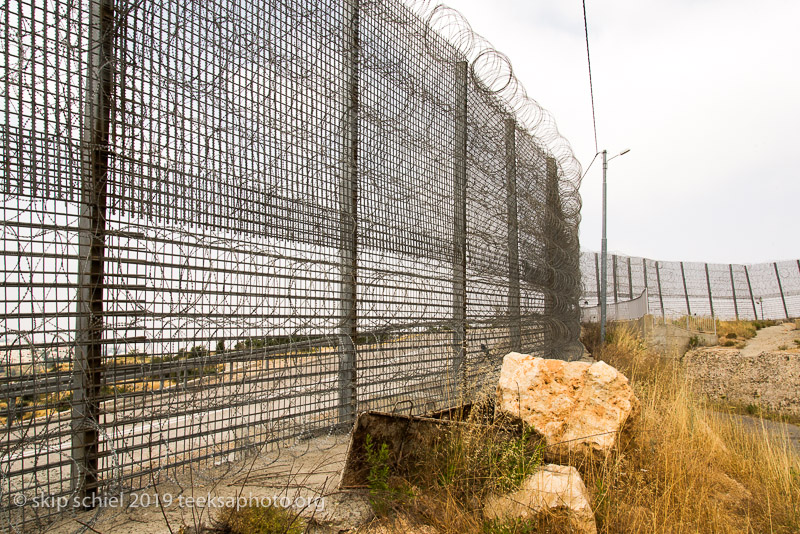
(705,93)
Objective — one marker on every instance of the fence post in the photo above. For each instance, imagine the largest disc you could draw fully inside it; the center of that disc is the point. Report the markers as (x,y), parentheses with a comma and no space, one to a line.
(733,288)
(614,275)
(710,298)
(597,275)
(348,222)
(552,233)
(644,271)
(88,358)
(460,224)
(685,291)
(780,288)
(750,288)
(630,280)
(515,326)
(644,275)
(660,295)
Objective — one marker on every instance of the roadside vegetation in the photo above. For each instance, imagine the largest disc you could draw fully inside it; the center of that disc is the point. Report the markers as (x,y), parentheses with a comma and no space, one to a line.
(683,467)
(688,467)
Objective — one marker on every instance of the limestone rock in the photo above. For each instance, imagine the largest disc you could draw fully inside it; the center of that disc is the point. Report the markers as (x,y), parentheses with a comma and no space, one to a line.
(550,489)
(579,408)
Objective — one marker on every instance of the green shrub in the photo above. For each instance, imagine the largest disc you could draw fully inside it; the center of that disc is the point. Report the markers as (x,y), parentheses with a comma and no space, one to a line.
(258,520)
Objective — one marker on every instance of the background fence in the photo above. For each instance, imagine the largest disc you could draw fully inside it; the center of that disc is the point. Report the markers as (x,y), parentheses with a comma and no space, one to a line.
(227,224)
(758,291)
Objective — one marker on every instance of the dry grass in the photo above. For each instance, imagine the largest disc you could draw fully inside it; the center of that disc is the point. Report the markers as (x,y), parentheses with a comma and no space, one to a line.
(736,329)
(687,468)
(683,467)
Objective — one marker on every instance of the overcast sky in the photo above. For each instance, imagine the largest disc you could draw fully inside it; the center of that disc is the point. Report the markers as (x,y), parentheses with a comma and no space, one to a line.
(705,93)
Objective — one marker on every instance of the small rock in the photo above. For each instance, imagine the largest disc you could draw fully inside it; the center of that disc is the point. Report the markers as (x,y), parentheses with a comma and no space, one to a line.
(578,407)
(550,489)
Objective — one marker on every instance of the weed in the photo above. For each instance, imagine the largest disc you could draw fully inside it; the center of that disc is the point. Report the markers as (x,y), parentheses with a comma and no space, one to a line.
(752,409)
(694,342)
(764,323)
(731,335)
(729,343)
(383,495)
(258,520)
(378,460)
(797,342)
(378,476)
(783,347)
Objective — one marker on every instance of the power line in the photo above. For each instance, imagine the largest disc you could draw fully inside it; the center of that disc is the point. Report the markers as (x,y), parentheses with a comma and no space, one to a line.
(591,89)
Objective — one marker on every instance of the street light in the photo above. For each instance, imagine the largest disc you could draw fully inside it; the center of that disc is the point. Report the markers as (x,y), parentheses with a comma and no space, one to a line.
(604,250)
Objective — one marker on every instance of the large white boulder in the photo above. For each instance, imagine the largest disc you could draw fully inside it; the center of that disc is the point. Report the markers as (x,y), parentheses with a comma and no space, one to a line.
(579,408)
(551,488)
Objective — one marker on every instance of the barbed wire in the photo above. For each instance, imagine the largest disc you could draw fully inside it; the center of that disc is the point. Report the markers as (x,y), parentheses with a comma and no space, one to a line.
(233,225)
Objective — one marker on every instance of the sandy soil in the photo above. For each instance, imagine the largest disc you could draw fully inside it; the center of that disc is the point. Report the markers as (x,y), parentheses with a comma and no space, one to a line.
(770,338)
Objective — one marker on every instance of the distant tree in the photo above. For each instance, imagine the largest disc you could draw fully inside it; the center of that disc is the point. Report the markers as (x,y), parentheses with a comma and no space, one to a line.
(220,347)
(198,351)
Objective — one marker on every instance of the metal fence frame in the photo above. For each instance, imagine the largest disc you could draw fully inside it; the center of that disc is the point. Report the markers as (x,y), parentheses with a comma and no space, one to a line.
(236,224)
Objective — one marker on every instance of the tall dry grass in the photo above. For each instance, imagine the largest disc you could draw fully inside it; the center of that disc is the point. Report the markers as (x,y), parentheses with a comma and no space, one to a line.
(685,467)
(736,329)
(681,467)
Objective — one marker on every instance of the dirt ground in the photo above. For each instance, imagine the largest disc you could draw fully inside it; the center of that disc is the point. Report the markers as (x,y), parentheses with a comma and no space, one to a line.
(302,478)
(764,374)
(771,338)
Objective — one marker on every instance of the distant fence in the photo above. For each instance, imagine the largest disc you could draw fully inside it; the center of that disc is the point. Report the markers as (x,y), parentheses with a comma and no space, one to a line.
(763,291)
(618,311)
(230,224)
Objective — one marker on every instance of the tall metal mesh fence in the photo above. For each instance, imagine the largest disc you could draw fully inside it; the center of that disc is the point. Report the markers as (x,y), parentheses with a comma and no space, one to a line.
(727,291)
(230,224)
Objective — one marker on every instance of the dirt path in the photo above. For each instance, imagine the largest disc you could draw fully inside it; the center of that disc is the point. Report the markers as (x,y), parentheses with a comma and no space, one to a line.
(775,429)
(770,338)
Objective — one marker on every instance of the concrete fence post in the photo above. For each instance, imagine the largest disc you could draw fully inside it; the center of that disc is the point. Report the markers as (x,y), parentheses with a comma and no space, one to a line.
(685,291)
(780,288)
(710,297)
(750,288)
(460,225)
(614,276)
(733,289)
(515,325)
(88,357)
(348,221)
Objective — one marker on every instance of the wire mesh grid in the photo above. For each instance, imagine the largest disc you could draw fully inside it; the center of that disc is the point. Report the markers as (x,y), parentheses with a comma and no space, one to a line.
(727,291)
(231,224)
